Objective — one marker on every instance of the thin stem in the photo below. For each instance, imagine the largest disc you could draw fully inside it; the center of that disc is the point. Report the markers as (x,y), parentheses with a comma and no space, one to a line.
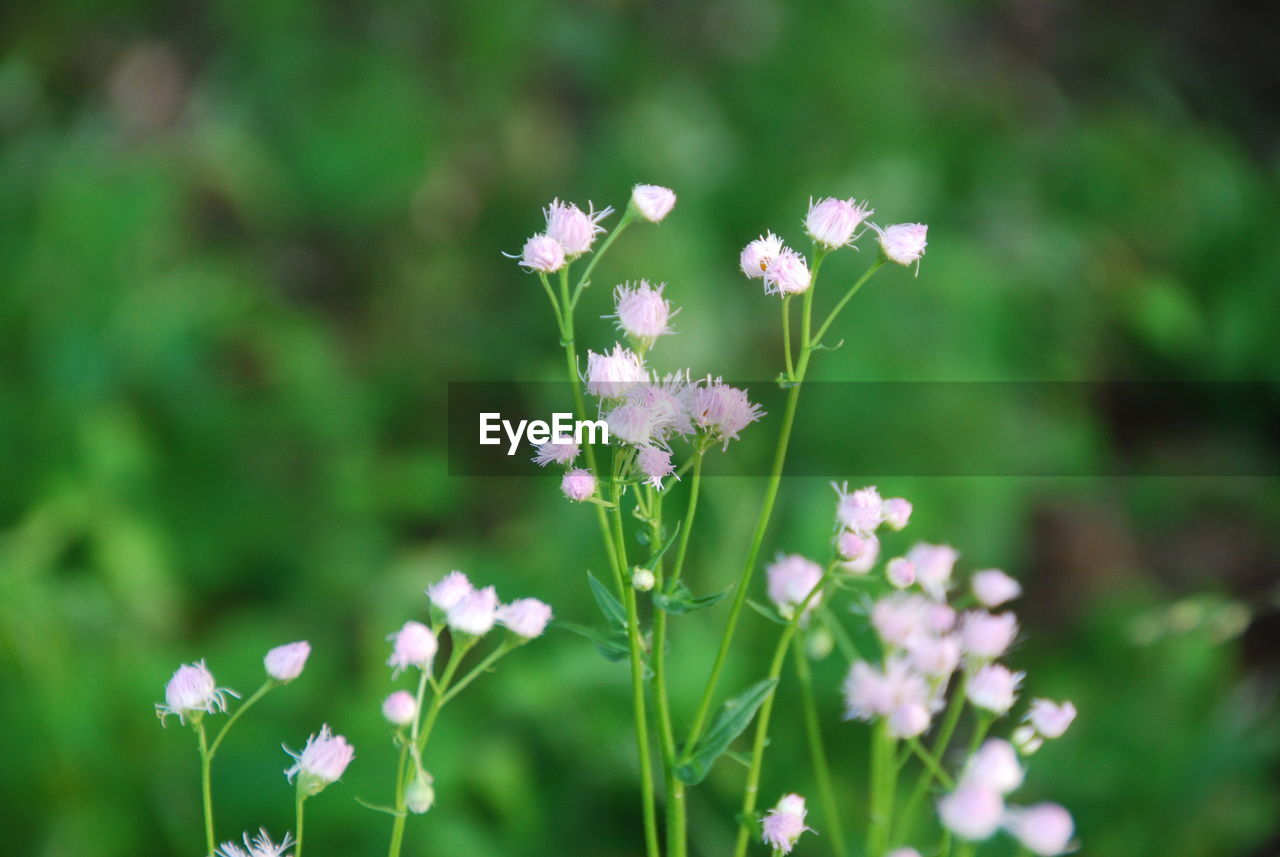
(206,792)
(817,752)
(637,674)
(931,762)
(687,527)
(786,337)
(938,751)
(460,648)
(585,280)
(762,718)
(299,801)
(226,727)
(479,669)
(675,805)
(853,290)
(555,306)
(397,825)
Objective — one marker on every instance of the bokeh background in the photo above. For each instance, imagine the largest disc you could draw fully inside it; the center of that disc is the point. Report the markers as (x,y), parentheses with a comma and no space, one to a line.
(245,245)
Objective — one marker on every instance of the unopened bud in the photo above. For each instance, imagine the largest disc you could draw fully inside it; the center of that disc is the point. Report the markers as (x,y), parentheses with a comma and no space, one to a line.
(421,794)
(642,579)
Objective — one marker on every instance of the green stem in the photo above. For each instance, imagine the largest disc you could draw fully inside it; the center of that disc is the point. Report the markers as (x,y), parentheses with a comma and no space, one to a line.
(299,800)
(932,763)
(635,646)
(506,646)
(687,527)
(752,789)
(460,648)
(627,216)
(226,727)
(675,800)
(206,791)
(397,825)
(938,751)
(817,752)
(853,290)
(786,337)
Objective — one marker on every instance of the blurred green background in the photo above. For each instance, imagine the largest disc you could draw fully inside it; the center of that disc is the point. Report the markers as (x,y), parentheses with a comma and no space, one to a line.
(245,245)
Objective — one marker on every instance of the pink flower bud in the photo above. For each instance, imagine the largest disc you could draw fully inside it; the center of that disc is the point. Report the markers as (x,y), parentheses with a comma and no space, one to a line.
(787,274)
(757,255)
(721,410)
(655,464)
(903,243)
(971,811)
(784,823)
(866,560)
(612,374)
(908,721)
(449,590)
(574,229)
(832,222)
(995,766)
(542,253)
(1051,719)
(321,762)
(653,201)
(994,688)
(936,657)
(897,513)
(475,613)
(941,618)
(851,545)
(1044,829)
(631,424)
(791,579)
(986,636)
(934,564)
(578,485)
(192,692)
(414,645)
(556,453)
(993,587)
(400,708)
(900,572)
(525,617)
(861,510)
(285,663)
(899,617)
(642,312)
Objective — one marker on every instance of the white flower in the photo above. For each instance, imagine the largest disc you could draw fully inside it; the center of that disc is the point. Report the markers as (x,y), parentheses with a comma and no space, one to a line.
(934,564)
(612,374)
(285,663)
(641,311)
(1044,829)
(831,222)
(1051,719)
(986,636)
(414,645)
(575,229)
(525,617)
(654,202)
(642,580)
(992,587)
(908,721)
(757,255)
(475,613)
(787,274)
(260,846)
(897,513)
(791,579)
(861,511)
(994,687)
(972,811)
(783,824)
(192,692)
(903,243)
(543,254)
(995,766)
(321,762)
(449,590)
(400,708)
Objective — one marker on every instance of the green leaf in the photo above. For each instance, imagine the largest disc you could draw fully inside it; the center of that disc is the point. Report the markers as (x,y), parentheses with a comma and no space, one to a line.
(682,601)
(767,612)
(729,724)
(653,560)
(609,604)
(613,647)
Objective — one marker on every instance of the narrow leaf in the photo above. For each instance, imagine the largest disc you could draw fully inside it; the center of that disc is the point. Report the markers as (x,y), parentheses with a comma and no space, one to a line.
(609,604)
(767,612)
(733,718)
(682,601)
(613,646)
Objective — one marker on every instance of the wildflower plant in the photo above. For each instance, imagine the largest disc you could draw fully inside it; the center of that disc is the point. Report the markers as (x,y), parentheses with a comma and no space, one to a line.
(938,643)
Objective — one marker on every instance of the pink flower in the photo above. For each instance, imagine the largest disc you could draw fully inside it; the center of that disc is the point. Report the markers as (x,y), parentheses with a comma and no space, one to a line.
(525,617)
(449,590)
(899,617)
(192,692)
(900,572)
(986,636)
(791,579)
(903,852)
(784,823)
(574,229)
(942,618)
(851,545)
(665,403)
(631,424)
(1044,829)
(903,243)
(475,613)
(655,464)
(909,720)
(994,688)
(934,564)
(831,222)
(400,708)
(260,846)
(869,692)
(285,663)
(414,645)
(612,374)
(722,410)
(543,254)
(578,485)
(555,453)
(787,274)
(861,511)
(971,811)
(756,256)
(321,762)
(653,201)
(866,560)
(993,587)
(897,512)
(936,657)
(1051,719)
(995,766)
(642,312)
